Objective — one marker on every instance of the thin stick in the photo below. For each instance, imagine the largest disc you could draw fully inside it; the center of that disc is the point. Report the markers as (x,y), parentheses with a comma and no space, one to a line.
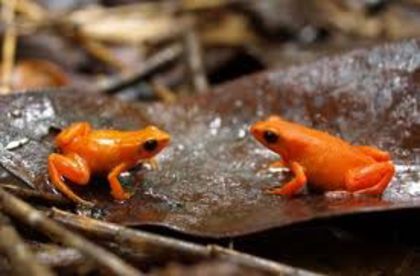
(63,258)
(5,268)
(153,63)
(257,263)
(56,256)
(36,219)
(404,267)
(102,53)
(31,10)
(163,92)
(146,243)
(20,256)
(195,61)
(166,248)
(9,44)
(30,194)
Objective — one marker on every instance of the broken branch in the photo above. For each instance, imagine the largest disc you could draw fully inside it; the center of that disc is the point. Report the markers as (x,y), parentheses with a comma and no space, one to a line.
(9,44)
(36,219)
(153,63)
(166,248)
(195,61)
(19,255)
(30,194)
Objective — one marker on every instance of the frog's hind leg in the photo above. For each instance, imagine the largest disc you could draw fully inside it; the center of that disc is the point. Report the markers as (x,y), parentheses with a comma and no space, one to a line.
(370,180)
(69,133)
(72,167)
(375,153)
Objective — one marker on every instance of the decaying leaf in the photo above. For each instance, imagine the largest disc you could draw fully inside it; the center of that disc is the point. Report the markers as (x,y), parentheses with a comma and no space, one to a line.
(210,181)
(37,73)
(231,30)
(131,24)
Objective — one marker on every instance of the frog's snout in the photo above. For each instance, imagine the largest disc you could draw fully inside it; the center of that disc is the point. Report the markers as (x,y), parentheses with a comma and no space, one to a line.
(256,129)
(165,138)
(162,136)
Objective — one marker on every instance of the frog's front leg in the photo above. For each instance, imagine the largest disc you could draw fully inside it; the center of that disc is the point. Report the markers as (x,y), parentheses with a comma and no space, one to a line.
(72,167)
(370,180)
(117,190)
(295,185)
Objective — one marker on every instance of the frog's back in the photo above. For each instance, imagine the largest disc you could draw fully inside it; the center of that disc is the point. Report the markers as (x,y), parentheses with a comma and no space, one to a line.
(100,149)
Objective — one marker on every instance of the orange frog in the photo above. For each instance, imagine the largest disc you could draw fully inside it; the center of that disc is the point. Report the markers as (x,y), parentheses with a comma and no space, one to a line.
(326,162)
(85,151)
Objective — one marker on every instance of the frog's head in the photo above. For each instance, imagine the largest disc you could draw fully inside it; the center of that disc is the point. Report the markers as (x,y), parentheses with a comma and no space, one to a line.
(272,133)
(151,141)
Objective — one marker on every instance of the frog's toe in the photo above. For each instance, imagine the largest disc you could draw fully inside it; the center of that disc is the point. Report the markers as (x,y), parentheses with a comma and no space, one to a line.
(121,196)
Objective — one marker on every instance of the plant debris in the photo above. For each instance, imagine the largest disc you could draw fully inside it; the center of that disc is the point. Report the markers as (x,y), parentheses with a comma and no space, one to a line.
(209,182)
(77,60)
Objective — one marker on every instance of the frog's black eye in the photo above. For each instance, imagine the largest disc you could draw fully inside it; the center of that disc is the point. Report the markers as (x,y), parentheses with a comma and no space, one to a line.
(270,137)
(150,145)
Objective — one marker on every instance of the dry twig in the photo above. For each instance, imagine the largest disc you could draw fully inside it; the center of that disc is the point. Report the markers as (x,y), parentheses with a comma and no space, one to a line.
(132,24)
(55,256)
(9,44)
(195,61)
(32,10)
(19,255)
(147,244)
(102,53)
(153,63)
(30,194)
(36,219)
(65,259)
(256,262)
(163,92)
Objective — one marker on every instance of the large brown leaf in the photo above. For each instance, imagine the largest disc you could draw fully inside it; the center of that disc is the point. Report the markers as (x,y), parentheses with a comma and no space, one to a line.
(210,181)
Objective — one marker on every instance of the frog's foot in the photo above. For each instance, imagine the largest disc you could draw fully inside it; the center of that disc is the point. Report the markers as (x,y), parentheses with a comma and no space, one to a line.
(370,180)
(120,196)
(276,165)
(295,185)
(117,190)
(375,153)
(154,164)
(151,164)
(72,167)
(339,194)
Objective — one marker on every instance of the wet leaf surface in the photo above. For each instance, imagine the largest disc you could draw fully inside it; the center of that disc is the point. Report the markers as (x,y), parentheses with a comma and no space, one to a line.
(210,182)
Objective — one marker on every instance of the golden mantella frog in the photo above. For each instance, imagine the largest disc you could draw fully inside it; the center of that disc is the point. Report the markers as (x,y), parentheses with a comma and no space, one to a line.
(84,151)
(325,162)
